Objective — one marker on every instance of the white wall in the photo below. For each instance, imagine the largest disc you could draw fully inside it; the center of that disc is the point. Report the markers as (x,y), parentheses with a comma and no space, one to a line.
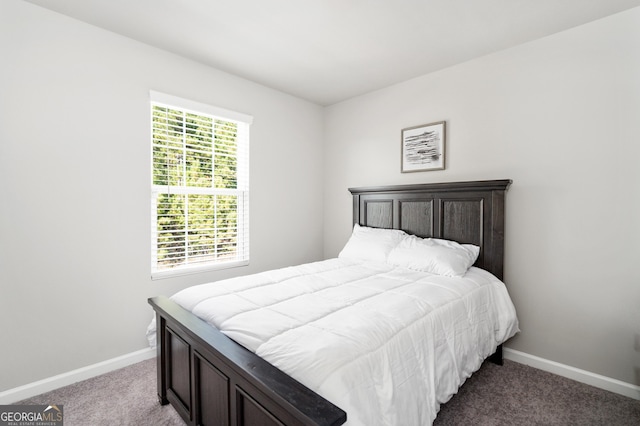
(74,187)
(559,116)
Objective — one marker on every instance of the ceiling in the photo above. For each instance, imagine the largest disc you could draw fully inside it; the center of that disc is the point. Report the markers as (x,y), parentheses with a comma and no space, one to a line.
(327,51)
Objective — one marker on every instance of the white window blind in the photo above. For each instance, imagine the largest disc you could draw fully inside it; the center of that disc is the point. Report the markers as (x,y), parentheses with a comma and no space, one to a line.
(200,186)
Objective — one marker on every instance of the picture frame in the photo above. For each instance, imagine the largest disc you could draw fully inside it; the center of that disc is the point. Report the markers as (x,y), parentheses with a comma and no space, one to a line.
(423,147)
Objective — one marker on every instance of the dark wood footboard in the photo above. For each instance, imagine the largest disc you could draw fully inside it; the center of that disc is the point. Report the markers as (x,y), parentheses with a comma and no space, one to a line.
(212,380)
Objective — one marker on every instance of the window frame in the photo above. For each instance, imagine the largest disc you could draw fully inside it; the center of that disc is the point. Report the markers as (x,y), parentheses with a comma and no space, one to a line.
(241,191)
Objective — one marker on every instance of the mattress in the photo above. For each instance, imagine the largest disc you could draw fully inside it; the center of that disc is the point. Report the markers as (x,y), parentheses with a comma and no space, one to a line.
(386,344)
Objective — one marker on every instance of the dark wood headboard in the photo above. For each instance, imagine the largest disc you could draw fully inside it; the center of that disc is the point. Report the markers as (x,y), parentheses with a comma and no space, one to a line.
(466,212)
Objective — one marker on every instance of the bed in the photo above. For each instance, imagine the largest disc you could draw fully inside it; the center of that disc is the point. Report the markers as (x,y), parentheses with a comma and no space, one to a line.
(210,378)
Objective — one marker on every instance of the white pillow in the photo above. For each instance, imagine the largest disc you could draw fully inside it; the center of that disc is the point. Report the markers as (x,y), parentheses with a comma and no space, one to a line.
(371,243)
(436,256)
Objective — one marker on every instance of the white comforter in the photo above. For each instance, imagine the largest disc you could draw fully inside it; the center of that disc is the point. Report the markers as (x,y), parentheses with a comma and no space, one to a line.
(387,345)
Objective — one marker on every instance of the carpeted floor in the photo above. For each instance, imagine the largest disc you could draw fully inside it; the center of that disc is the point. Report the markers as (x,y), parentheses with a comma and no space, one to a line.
(516,394)
(513,394)
(123,397)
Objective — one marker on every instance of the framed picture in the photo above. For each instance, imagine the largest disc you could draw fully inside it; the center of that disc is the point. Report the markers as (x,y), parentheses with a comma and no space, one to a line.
(423,147)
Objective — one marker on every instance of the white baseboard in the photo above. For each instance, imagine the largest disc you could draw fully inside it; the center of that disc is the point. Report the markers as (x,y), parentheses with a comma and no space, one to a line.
(582,376)
(36,388)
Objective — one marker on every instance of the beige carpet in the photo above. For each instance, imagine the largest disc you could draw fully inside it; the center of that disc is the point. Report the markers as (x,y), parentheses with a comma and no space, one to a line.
(513,394)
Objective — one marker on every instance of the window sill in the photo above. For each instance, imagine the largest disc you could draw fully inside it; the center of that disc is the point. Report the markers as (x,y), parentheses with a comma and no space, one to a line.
(197,269)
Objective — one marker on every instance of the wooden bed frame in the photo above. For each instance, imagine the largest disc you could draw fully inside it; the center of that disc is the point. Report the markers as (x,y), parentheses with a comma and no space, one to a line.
(211,380)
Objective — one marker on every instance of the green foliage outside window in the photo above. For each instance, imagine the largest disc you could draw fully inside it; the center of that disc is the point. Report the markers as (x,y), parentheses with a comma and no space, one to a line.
(193,155)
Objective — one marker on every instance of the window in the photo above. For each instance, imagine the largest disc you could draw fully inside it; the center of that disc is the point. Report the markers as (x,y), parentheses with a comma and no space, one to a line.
(200,187)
